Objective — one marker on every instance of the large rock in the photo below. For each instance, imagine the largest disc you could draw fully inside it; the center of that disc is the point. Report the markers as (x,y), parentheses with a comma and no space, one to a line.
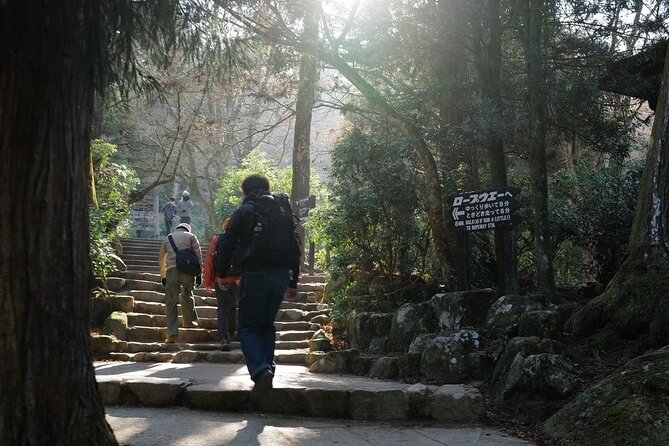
(379,404)
(408,367)
(385,368)
(462,309)
(117,325)
(366,326)
(546,323)
(519,346)
(319,342)
(409,321)
(115,283)
(104,344)
(456,404)
(628,407)
(123,303)
(445,357)
(335,362)
(544,374)
(504,315)
(151,391)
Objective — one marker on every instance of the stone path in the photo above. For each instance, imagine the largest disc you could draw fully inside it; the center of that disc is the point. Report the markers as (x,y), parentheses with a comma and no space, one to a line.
(140,322)
(184,427)
(296,391)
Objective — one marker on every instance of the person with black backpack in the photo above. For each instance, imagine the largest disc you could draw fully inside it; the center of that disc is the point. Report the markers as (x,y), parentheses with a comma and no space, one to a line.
(180,263)
(263,230)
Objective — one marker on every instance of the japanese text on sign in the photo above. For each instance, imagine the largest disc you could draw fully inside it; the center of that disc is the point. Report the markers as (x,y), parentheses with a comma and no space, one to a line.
(482,210)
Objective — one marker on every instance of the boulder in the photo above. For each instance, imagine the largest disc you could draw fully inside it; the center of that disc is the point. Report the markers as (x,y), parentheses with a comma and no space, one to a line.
(628,407)
(462,309)
(504,315)
(378,346)
(104,344)
(408,367)
(115,283)
(409,321)
(335,362)
(525,347)
(117,325)
(544,374)
(418,395)
(444,357)
(319,342)
(385,368)
(545,323)
(366,326)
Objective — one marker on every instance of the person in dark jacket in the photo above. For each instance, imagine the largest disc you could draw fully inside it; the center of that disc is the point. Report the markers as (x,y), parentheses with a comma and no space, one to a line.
(265,281)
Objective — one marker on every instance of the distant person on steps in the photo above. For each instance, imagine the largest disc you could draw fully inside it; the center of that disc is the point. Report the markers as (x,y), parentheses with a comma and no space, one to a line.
(178,285)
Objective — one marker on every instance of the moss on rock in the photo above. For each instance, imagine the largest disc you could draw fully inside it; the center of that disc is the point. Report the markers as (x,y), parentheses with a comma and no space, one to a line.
(628,407)
(634,306)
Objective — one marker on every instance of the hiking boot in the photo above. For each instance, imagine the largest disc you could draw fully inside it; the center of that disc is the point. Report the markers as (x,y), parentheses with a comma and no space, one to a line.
(171,339)
(264,382)
(191,324)
(225,345)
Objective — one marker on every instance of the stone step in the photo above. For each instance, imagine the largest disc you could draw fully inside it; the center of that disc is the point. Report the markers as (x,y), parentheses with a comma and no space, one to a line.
(201,296)
(157,334)
(137,347)
(294,335)
(226,387)
(210,311)
(152,320)
(191,353)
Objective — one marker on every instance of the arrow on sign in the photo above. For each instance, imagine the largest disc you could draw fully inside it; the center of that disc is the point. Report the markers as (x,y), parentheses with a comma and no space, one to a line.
(457,213)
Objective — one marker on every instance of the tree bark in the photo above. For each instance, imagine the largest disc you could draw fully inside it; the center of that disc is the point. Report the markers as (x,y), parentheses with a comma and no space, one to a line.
(300,186)
(650,220)
(488,57)
(50,54)
(536,80)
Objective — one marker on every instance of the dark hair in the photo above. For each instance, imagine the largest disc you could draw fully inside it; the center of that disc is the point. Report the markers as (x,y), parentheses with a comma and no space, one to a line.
(173,199)
(253,182)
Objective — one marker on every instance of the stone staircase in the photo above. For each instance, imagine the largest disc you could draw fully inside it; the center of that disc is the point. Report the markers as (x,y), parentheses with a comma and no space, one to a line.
(140,329)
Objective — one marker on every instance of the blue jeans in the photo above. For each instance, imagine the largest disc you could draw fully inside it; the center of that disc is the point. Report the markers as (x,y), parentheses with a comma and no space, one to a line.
(260,298)
(227,311)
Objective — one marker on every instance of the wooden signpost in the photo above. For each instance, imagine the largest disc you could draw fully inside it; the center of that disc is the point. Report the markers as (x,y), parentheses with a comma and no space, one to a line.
(482,211)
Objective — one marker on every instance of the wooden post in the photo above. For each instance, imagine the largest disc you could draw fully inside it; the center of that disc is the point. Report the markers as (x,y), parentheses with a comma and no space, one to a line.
(463,254)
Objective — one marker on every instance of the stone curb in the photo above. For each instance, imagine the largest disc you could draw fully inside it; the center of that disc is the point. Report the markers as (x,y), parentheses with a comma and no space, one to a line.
(449,403)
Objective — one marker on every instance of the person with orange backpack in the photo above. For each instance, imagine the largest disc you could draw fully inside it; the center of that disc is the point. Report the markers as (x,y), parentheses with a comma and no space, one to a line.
(226,299)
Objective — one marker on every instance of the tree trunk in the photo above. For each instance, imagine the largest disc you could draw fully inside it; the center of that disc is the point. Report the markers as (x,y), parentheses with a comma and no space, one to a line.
(650,221)
(303,112)
(488,57)
(634,304)
(534,63)
(50,52)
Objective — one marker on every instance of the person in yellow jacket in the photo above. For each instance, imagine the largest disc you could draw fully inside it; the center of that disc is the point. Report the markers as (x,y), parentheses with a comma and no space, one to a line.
(178,285)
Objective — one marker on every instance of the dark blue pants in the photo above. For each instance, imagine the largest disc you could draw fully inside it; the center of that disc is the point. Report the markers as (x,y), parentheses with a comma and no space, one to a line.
(260,298)
(227,311)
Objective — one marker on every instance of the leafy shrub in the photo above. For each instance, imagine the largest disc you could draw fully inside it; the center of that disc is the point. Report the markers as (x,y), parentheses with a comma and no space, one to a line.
(374,220)
(111,218)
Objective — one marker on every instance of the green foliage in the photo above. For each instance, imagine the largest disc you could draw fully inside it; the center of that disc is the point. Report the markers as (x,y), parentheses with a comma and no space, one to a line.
(111,219)
(374,221)
(590,215)
(229,195)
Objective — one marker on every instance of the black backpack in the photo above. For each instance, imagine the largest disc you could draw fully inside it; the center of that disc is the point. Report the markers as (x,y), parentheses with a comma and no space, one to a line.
(187,260)
(274,238)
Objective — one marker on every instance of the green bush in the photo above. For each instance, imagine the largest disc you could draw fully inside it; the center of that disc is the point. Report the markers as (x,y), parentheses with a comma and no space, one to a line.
(110,220)
(375,220)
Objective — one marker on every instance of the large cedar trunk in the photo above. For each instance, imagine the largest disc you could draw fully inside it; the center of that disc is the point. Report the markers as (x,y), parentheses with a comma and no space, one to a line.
(488,57)
(47,77)
(303,109)
(634,305)
(534,62)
